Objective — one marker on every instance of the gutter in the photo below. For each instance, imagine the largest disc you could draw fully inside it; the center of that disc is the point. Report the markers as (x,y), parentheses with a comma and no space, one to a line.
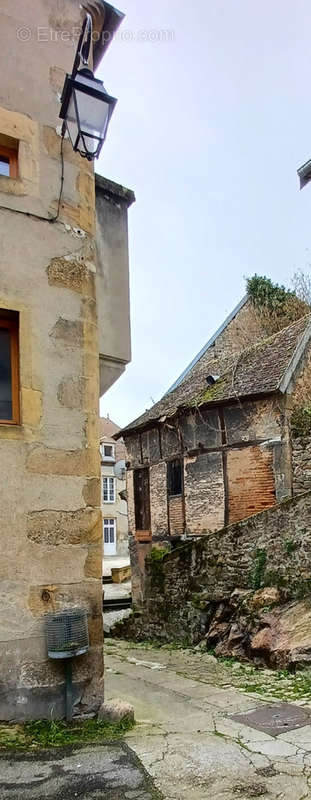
(114,191)
(228,401)
(295,359)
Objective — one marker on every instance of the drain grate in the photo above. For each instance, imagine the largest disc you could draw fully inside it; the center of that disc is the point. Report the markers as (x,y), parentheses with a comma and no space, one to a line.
(275,719)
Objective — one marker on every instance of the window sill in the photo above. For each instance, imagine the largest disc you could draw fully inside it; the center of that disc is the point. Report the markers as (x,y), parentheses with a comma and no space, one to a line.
(16,432)
(143,536)
(10,424)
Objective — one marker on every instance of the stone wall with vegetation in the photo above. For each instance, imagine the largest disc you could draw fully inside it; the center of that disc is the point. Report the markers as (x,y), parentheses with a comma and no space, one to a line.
(301,459)
(301,428)
(222,588)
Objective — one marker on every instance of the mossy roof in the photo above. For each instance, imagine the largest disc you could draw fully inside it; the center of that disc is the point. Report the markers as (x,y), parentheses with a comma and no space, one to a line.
(257,370)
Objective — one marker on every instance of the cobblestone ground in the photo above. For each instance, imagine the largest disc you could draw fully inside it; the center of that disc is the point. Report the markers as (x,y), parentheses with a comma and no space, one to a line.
(186,736)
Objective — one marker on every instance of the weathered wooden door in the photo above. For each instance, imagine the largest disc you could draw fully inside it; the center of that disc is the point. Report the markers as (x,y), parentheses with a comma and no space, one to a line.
(142,503)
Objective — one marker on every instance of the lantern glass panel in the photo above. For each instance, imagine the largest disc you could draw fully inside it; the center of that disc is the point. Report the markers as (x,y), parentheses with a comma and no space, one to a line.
(93,118)
(72,122)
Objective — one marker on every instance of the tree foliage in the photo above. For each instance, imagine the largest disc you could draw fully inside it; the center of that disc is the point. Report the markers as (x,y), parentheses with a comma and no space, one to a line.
(301,282)
(275,305)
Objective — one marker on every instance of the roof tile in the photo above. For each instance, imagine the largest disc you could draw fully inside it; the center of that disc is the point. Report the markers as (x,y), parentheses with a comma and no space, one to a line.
(257,370)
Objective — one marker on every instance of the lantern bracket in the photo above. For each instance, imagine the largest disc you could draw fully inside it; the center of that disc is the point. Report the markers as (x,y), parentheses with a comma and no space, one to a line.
(83,51)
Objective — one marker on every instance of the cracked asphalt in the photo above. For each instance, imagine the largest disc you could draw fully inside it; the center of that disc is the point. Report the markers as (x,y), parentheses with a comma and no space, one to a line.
(94,772)
(185,735)
(187,743)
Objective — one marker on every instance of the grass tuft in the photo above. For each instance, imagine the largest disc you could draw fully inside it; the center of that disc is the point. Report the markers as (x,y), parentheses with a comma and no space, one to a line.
(41,734)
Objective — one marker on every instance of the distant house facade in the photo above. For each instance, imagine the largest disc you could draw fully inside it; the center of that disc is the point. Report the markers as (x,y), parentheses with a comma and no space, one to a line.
(114,505)
(218,447)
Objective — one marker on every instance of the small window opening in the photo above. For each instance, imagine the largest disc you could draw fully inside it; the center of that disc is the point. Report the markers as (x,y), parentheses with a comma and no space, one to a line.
(174,477)
(8,162)
(107,452)
(9,368)
(4,166)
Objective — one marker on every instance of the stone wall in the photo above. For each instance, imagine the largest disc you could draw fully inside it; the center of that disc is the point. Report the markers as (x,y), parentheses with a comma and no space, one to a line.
(185,588)
(244,330)
(300,402)
(112,279)
(158,493)
(204,492)
(301,458)
(50,517)
(301,384)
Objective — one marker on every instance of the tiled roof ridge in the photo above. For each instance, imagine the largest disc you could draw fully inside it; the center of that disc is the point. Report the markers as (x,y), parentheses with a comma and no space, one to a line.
(268,339)
(236,359)
(237,363)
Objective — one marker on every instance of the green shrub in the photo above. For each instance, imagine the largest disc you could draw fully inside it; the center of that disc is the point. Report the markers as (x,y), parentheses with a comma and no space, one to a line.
(277,306)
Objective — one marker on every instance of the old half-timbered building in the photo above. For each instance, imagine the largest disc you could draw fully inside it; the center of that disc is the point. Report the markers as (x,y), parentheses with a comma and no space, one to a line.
(217,448)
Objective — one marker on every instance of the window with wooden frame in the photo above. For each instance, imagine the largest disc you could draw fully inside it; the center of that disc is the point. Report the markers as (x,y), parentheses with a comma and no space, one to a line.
(142,504)
(8,162)
(109,531)
(174,478)
(109,490)
(9,368)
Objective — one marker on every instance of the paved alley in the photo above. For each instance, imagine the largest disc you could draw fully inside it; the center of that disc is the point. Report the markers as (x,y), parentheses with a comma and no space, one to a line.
(91,772)
(188,737)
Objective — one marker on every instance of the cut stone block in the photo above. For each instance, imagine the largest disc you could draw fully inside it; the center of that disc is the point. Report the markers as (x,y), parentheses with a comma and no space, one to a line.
(115,711)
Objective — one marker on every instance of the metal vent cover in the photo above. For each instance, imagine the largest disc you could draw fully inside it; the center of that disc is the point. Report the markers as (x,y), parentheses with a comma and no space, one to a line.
(67,633)
(275,719)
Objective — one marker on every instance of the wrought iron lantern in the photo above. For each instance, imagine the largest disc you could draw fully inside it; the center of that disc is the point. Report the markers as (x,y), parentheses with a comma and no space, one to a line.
(86,107)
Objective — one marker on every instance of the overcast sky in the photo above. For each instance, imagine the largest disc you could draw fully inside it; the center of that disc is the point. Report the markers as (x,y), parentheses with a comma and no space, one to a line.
(213,119)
